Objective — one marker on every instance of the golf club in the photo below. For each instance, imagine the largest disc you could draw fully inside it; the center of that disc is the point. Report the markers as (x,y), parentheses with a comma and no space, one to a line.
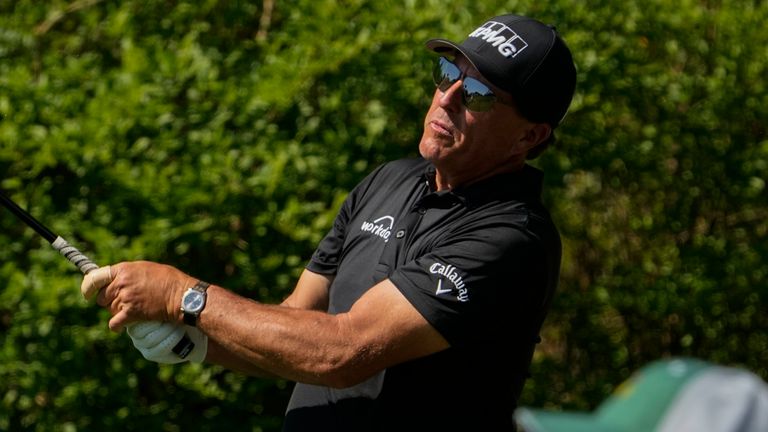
(70,252)
(181,349)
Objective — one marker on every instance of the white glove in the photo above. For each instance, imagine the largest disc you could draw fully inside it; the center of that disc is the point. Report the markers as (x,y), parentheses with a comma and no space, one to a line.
(163,342)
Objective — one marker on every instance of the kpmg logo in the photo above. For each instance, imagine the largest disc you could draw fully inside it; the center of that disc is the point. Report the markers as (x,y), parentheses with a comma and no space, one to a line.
(502,37)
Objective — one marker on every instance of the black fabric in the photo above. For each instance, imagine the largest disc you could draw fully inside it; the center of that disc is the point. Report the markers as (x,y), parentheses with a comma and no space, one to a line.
(480,263)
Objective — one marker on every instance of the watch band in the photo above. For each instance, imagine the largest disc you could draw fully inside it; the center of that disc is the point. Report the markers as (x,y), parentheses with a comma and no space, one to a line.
(190,318)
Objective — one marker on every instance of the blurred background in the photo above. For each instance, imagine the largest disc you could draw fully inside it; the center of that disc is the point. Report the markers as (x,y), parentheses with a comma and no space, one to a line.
(222,136)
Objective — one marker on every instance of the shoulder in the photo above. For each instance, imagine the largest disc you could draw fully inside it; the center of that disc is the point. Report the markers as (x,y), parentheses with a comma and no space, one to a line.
(386,178)
(511,199)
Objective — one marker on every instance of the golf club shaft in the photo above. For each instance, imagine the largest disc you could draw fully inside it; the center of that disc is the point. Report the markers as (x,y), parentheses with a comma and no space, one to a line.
(181,349)
(70,252)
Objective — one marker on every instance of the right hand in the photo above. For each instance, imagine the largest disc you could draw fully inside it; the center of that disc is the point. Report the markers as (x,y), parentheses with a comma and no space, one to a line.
(155,340)
(138,291)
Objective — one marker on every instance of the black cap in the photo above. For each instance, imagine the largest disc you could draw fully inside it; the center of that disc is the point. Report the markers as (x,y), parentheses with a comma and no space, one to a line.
(525,58)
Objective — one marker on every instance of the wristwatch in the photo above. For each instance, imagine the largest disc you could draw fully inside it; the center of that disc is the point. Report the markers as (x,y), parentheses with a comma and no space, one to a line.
(193,302)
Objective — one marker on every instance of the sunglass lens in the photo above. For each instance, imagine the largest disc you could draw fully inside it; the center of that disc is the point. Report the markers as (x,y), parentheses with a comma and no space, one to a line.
(445,74)
(477,96)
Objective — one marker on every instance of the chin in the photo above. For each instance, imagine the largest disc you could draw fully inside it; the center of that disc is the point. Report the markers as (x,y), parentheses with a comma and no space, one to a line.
(429,151)
(432,148)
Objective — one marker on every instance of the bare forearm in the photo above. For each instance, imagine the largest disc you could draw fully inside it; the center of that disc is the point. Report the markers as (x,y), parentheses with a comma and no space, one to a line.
(311,292)
(301,345)
(220,356)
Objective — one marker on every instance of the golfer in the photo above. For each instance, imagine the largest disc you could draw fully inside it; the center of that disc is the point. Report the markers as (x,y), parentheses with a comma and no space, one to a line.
(421,307)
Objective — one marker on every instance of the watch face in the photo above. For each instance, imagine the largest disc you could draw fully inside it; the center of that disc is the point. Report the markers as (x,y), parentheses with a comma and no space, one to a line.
(193,301)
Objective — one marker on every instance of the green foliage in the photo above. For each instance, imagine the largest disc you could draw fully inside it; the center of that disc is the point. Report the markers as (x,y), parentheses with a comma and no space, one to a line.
(221,137)
(662,199)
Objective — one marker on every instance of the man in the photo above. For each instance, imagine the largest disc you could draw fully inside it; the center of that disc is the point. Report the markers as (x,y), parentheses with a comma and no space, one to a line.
(422,305)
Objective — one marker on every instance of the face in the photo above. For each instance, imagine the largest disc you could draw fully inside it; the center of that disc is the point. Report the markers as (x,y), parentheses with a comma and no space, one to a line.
(466,145)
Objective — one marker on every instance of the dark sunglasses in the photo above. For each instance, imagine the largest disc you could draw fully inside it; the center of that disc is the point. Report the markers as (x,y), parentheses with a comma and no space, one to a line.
(476,96)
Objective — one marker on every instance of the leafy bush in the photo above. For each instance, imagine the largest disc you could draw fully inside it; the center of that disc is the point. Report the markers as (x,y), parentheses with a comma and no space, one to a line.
(221,137)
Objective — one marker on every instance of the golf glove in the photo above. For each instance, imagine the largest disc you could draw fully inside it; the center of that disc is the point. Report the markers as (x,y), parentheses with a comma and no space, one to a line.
(163,342)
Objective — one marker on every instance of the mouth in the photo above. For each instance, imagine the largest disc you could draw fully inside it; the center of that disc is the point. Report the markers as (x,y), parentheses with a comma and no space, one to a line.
(441,129)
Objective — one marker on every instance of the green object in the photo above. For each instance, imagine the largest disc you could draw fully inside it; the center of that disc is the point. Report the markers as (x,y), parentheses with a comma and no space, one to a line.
(680,395)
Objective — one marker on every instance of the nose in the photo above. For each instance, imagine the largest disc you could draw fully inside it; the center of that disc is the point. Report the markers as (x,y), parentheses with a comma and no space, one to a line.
(451,97)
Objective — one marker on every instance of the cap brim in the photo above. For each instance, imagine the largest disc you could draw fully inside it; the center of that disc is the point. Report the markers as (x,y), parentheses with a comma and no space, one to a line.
(532,420)
(440,45)
(443,45)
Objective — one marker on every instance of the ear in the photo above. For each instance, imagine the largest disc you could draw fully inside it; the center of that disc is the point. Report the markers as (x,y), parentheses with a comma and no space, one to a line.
(536,134)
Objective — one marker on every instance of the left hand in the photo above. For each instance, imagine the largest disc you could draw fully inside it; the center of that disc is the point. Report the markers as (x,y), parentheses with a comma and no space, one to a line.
(137,291)
(156,342)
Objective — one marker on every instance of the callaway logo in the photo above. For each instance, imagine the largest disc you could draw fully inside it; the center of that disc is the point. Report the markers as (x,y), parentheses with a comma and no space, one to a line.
(381,227)
(502,37)
(449,272)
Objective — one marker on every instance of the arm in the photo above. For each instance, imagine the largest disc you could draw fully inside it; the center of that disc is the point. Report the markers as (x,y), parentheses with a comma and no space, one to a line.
(310,293)
(380,330)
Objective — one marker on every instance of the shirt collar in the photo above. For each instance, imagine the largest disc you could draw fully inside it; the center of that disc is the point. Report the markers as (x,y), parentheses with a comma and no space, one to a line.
(525,184)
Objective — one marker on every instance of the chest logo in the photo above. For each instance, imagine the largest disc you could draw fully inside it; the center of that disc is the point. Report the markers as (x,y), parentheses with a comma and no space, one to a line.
(381,227)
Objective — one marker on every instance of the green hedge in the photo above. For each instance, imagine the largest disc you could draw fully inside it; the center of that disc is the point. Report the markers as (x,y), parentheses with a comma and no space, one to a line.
(221,137)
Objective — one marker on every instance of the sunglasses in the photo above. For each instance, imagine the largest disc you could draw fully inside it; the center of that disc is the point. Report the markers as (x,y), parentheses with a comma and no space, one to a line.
(476,96)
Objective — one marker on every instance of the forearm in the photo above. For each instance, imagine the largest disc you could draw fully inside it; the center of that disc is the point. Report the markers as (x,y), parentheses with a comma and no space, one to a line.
(310,293)
(301,345)
(218,355)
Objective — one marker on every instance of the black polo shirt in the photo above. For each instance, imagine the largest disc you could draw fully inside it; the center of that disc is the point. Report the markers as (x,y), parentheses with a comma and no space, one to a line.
(480,263)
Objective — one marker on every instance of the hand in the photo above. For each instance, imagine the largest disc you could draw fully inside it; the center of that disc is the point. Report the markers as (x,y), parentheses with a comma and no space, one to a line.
(95,280)
(137,291)
(169,343)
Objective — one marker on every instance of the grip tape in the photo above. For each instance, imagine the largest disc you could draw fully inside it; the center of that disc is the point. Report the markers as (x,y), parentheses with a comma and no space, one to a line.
(74,256)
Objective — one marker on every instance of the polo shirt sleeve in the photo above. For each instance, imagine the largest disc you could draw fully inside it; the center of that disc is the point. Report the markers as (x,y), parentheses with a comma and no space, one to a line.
(480,281)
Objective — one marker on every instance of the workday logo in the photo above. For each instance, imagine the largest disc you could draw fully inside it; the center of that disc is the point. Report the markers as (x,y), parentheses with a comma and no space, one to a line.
(509,43)
(381,227)
(451,281)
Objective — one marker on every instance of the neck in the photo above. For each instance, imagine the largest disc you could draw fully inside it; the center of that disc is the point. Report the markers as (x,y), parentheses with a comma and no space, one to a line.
(447,180)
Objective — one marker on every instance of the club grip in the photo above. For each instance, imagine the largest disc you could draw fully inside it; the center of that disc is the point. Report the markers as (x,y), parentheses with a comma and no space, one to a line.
(74,256)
